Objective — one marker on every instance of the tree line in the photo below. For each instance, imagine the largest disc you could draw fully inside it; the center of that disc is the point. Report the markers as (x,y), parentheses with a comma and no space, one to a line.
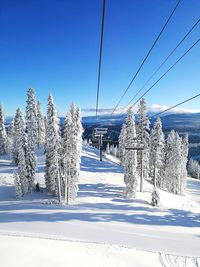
(163,160)
(62,154)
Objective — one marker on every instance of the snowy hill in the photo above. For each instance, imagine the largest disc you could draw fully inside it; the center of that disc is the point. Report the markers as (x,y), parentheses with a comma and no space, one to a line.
(101,228)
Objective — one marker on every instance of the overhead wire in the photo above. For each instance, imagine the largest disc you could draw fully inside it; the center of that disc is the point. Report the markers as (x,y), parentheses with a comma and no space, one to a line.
(181,103)
(147,55)
(165,73)
(100,56)
(165,60)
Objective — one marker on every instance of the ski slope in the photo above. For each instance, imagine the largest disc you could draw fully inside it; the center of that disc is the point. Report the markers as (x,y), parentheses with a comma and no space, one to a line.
(101,225)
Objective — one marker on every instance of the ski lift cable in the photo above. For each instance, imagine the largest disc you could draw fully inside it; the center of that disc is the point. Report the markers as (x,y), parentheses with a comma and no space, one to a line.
(168,109)
(100,56)
(162,76)
(147,55)
(165,60)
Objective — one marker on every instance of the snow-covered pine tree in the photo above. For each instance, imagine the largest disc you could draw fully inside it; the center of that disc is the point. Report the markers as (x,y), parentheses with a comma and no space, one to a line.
(116,151)
(173,163)
(122,144)
(76,131)
(184,154)
(31,164)
(143,137)
(53,150)
(40,126)
(112,150)
(3,134)
(72,146)
(31,129)
(108,149)
(10,135)
(67,155)
(85,142)
(157,143)
(31,117)
(155,198)
(130,162)
(22,165)
(18,190)
(194,168)
(19,124)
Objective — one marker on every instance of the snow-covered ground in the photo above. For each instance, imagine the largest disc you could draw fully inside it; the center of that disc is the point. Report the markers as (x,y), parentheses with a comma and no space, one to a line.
(102,228)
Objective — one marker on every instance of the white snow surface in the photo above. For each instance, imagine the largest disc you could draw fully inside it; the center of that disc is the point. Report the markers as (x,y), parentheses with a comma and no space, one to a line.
(102,228)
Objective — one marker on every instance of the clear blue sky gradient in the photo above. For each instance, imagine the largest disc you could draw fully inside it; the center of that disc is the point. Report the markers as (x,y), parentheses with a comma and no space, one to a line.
(53,46)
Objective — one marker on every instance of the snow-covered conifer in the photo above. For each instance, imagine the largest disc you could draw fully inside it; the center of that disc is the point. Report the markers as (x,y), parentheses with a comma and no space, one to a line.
(155,198)
(156,161)
(122,144)
(10,135)
(184,155)
(77,131)
(130,162)
(173,163)
(72,152)
(3,134)
(18,190)
(112,150)
(143,130)
(85,141)
(19,126)
(22,165)
(53,150)
(31,164)
(32,130)
(194,168)
(40,126)
(31,117)
(108,149)
(67,154)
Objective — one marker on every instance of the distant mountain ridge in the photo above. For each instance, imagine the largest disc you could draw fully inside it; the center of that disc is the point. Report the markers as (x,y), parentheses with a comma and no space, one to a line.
(182,122)
(176,121)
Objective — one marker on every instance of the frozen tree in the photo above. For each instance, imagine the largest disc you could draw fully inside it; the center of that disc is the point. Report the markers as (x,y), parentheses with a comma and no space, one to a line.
(53,150)
(85,141)
(157,143)
(3,134)
(31,129)
(184,155)
(31,117)
(67,154)
(10,136)
(22,165)
(114,150)
(18,190)
(72,152)
(40,126)
(18,127)
(31,164)
(155,198)
(194,168)
(122,144)
(173,163)
(130,159)
(143,138)
(77,131)
(108,149)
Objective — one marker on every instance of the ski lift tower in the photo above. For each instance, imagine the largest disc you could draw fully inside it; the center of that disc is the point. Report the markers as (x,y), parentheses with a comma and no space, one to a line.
(99,133)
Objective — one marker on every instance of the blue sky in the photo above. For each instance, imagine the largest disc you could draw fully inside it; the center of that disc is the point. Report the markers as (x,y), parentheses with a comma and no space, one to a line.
(53,46)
